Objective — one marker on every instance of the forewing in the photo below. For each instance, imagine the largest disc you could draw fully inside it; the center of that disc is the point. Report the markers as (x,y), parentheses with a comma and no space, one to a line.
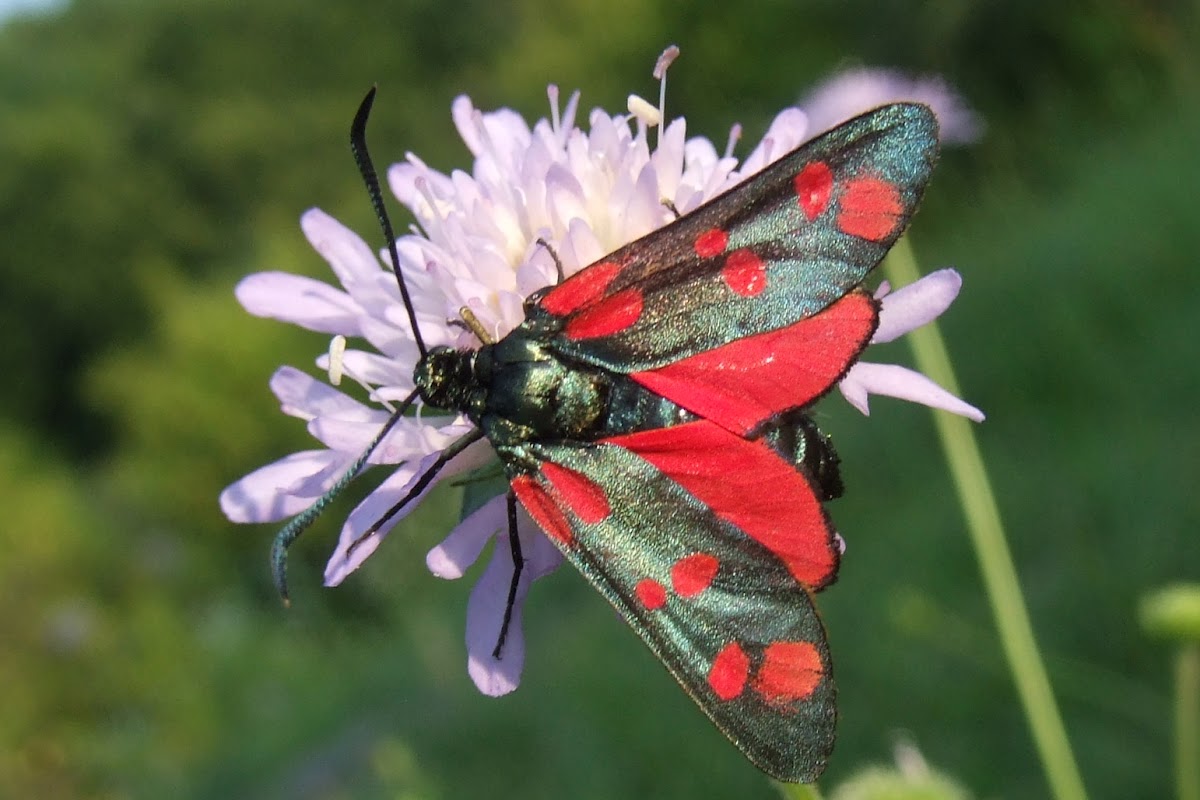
(741,384)
(773,250)
(709,546)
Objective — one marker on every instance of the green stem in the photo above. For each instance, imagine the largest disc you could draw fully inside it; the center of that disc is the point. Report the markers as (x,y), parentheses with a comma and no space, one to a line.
(991,548)
(1187,721)
(798,791)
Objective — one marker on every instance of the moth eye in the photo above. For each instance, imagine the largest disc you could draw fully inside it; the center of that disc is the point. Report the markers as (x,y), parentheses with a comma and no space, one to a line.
(533,298)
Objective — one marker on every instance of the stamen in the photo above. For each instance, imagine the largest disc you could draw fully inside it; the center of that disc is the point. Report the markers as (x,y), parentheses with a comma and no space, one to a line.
(422,186)
(434,223)
(660,72)
(485,140)
(372,391)
(376,398)
(664,61)
(337,353)
(568,116)
(555,120)
(735,135)
(339,368)
(645,113)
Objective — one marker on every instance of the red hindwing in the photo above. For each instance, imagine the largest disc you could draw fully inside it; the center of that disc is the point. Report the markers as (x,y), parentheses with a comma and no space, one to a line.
(718,587)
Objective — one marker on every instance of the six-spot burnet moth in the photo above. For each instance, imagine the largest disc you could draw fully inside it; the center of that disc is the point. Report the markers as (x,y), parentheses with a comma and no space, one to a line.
(652,414)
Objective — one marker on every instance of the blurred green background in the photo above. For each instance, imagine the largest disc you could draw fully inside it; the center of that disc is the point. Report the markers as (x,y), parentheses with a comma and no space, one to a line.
(151,153)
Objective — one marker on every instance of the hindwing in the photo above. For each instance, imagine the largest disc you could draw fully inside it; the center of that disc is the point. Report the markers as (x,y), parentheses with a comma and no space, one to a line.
(673,526)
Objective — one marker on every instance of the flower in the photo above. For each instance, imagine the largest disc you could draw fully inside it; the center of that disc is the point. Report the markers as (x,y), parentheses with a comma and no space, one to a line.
(902,311)
(476,246)
(851,92)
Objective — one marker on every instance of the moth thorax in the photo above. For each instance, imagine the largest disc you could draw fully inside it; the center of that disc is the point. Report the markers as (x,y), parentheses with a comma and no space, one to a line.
(579,404)
(445,378)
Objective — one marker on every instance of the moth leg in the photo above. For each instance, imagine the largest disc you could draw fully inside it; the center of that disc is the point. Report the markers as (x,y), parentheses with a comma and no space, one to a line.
(448,455)
(514,544)
(670,206)
(558,267)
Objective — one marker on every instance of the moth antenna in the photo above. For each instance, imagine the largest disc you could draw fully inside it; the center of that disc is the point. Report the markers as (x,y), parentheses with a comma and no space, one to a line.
(358,145)
(299,523)
(558,265)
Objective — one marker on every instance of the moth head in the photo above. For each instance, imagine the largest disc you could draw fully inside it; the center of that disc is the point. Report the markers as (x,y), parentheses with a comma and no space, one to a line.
(445,377)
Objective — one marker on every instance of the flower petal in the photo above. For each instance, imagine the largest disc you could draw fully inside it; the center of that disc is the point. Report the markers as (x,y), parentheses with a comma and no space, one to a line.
(461,548)
(408,439)
(368,512)
(301,395)
(348,255)
(375,505)
(865,379)
(350,436)
(284,488)
(488,601)
(909,308)
(309,303)
(789,128)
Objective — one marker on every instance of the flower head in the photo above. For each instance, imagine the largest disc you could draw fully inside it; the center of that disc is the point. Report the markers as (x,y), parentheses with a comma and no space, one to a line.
(851,92)
(476,245)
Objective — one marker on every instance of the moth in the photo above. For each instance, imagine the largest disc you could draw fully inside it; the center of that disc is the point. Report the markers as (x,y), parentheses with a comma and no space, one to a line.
(653,416)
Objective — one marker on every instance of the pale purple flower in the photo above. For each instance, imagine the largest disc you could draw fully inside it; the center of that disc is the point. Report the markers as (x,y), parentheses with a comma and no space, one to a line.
(902,311)
(475,244)
(849,93)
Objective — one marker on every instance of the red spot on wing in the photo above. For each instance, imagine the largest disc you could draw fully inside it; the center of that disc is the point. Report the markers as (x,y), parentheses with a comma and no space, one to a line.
(727,678)
(789,671)
(611,315)
(583,288)
(692,574)
(745,273)
(814,185)
(740,384)
(578,492)
(711,242)
(747,484)
(650,593)
(543,509)
(870,209)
